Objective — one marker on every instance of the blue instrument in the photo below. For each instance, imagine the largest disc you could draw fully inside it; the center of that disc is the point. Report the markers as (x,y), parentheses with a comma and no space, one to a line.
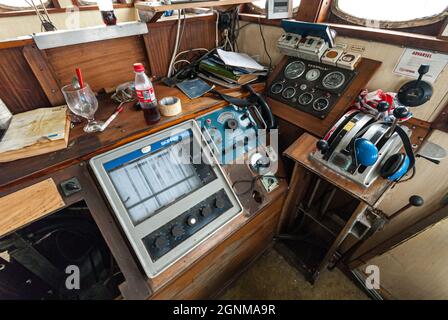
(232,131)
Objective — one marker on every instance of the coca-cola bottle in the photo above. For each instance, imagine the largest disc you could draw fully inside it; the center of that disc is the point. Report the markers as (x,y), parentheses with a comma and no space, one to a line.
(146,95)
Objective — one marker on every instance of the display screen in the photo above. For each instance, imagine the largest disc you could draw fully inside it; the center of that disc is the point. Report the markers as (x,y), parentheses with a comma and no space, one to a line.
(150,182)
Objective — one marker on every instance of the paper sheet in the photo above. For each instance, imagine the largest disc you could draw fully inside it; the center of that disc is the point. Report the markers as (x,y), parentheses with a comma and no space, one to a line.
(411,59)
(241,60)
(30,127)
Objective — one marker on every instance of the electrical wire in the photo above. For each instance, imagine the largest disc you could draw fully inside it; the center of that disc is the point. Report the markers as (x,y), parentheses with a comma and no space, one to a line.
(264,45)
(179,61)
(252,182)
(217,29)
(176,45)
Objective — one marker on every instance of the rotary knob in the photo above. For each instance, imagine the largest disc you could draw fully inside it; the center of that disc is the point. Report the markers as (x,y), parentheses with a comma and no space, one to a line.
(219,202)
(232,124)
(206,211)
(177,231)
(161,242)
(192,220)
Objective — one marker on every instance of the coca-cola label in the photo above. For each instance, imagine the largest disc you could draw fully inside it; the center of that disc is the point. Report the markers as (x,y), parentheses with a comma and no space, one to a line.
(146,95)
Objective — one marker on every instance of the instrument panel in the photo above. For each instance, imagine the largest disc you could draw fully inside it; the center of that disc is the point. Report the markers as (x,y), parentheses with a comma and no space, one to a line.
(168,193)
(311,87)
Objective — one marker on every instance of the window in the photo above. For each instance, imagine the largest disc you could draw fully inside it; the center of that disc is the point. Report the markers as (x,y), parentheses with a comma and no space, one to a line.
(259,6)
(19,5)
(391,14)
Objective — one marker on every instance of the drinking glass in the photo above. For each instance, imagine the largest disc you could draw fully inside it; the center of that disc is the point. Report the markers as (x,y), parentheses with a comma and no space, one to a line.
(82,102)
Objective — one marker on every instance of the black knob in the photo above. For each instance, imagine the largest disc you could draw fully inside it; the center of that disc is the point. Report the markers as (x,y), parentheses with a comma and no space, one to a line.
(192,220)
(177,230)
(423,69)
(416,201)
(161,242)
(382,106)
(401,112)
(322,145)
(231,124)
(205,211)
(219,202)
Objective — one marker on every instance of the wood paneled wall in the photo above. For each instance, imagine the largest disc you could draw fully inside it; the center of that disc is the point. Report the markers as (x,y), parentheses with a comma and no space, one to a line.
(19,88)
(104,64)
(160,40)
(31,79)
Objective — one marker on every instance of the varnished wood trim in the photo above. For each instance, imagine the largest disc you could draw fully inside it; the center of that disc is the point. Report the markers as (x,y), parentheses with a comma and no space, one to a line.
(27,205)
(44,73)
(392,37)
(13,43)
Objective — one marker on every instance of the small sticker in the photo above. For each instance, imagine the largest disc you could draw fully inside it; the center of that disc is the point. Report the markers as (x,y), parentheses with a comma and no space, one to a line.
(146,149)
(342,46)
(349,126)
(357,48)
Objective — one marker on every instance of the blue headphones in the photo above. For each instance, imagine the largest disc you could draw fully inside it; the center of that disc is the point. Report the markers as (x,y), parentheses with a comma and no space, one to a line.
(396,166)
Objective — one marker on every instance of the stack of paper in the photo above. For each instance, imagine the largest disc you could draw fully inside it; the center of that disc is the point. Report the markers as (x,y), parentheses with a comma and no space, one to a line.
(230,69)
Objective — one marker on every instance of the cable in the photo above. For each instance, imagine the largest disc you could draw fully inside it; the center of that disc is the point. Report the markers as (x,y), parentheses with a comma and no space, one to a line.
(176,45)
(217,29)
(179,61)
(252,182)
(264,44)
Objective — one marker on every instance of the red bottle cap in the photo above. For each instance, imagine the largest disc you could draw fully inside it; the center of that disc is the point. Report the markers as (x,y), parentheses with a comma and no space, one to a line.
(138,67)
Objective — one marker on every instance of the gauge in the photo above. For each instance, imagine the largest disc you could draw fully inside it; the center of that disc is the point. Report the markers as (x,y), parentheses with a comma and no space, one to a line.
(276,88)
(333,80)
(312,75)
(288,93)
(294,70)
(321,104)
(305,98)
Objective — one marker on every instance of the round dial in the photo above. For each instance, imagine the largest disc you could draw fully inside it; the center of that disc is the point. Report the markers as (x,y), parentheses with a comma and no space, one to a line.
(312,75)
(333,80)
(288,93)
(294,70)
(320,104)
(276,88)
(305,98)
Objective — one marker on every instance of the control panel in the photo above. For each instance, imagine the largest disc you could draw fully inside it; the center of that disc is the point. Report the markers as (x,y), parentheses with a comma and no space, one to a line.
(168,193)
(232,131)
(309,86)
(166,238)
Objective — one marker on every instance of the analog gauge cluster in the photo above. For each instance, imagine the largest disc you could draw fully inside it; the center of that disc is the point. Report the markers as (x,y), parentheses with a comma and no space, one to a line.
(311,87)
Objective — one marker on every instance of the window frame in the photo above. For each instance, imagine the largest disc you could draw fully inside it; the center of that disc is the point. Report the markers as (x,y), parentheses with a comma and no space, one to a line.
(319,11)
(50,4)
(386,24)
(58,9)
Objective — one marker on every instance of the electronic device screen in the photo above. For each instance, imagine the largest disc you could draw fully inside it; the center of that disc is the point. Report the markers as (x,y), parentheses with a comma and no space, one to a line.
(168,192)
(148,184)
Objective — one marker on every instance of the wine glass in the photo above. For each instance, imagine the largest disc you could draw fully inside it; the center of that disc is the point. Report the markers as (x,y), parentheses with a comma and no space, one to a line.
(82,102)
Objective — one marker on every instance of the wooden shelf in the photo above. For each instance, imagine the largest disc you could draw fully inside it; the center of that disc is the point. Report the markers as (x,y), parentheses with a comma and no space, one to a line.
(158,7)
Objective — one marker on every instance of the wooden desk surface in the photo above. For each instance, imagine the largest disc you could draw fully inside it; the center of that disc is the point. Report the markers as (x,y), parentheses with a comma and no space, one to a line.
(300,150)
(128,126)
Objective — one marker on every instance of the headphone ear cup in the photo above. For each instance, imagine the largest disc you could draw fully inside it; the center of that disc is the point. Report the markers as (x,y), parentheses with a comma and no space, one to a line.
(392,165)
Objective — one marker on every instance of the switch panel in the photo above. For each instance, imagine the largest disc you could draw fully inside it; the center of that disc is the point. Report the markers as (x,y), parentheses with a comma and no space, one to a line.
(166,238)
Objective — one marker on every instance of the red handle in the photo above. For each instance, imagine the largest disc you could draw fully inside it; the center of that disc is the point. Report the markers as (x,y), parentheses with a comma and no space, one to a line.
(80,79)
